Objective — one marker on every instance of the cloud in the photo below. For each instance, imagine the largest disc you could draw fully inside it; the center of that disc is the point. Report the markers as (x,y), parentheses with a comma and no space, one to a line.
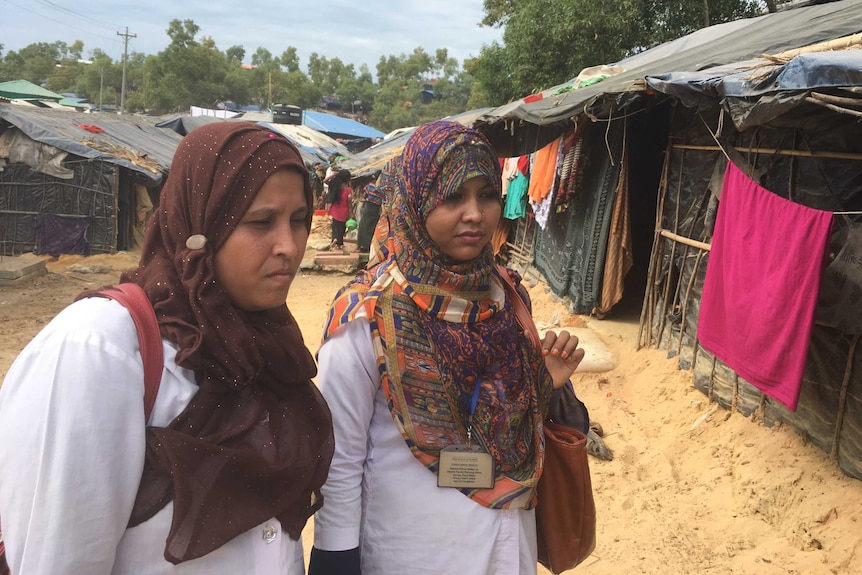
(357,32)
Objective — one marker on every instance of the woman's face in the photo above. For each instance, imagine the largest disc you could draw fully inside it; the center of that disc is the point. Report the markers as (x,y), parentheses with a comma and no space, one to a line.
(464,222)
(258,261)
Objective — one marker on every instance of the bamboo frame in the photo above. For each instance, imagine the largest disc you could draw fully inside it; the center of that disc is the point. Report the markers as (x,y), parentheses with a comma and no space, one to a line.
(684,310)
(772,151)
(837,100)
(833,107)
(649,295)
(842,398)
(684,240)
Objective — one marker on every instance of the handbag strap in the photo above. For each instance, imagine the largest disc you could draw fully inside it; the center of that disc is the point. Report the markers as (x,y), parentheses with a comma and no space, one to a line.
(134,299)
(519,306)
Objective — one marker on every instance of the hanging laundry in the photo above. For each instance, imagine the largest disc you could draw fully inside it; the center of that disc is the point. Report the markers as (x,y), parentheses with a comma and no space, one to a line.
(543,171)
(542,211)
(509,167)
(762,279)
(570,168)
(516,197)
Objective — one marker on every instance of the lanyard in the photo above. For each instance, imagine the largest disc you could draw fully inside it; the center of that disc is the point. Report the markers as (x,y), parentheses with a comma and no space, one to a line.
(473,402)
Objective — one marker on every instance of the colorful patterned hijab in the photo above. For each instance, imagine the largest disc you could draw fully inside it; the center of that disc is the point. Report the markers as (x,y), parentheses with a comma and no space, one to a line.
(439,326)
(256,440)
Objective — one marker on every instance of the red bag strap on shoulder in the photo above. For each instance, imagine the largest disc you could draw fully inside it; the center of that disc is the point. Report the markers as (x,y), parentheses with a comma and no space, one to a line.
(522,314)
(134,299)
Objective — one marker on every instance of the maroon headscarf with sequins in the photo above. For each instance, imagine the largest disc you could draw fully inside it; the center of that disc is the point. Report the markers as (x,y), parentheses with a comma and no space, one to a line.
(256,440)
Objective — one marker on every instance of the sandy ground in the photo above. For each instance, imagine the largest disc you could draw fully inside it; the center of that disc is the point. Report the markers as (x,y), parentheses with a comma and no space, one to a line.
(692,489)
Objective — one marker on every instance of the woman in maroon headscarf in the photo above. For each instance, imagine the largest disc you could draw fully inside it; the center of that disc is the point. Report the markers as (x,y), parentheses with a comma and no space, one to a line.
(225,473)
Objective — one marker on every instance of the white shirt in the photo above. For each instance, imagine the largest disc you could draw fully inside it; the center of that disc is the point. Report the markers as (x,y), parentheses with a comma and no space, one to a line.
(72,452)
(380,498)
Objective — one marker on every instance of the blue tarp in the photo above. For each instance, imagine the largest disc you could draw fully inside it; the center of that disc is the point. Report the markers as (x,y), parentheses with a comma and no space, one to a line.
(329,124)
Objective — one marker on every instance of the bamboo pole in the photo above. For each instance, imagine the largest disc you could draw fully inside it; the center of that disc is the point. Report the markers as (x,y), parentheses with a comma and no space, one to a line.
(842,43)
(842,397)
(711,386)
(837,100)
(672,254)
(684,310)
(833,107)
(683,240)
(735,399)
(648,297)
(647,307)
(772,151)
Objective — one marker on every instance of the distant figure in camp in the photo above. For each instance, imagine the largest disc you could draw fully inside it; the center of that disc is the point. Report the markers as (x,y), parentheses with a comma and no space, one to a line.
(371,205)
(339,205)
(318,174)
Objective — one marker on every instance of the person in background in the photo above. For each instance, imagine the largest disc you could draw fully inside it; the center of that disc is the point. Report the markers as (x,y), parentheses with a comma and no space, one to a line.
(339,206)
(423,358)
(317,175)
(225,473)
(370,212)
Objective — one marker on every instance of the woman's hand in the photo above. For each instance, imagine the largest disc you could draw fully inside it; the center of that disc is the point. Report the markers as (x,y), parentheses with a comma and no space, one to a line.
(562,356)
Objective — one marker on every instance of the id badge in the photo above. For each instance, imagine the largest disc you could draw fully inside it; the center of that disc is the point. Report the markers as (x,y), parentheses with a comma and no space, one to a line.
(465,466)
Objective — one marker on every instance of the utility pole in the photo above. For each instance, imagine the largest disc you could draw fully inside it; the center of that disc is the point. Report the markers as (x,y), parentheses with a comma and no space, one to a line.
(101,82)
(126,37)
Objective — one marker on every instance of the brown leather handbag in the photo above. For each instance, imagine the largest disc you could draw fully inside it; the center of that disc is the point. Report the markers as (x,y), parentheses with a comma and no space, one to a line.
(566,511)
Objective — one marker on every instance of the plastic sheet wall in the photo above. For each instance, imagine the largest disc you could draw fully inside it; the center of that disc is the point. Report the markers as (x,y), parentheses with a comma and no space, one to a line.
(25,193)
(830,406)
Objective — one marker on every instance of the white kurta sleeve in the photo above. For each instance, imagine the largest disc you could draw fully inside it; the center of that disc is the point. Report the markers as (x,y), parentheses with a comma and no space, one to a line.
(348,379)
(72,442)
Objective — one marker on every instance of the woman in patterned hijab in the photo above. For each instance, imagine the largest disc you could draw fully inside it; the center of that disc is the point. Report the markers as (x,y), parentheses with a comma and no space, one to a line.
(445,364)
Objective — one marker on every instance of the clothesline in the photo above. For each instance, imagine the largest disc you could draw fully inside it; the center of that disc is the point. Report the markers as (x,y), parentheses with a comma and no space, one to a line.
(719,147)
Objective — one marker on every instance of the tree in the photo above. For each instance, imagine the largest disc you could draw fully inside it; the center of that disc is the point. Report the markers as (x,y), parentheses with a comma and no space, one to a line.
(289,60)
(187,73)
(33,63)
(236,53)
(540,51)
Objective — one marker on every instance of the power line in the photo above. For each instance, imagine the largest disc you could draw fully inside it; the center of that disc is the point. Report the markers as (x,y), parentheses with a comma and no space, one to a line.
(63,22)
(102,23)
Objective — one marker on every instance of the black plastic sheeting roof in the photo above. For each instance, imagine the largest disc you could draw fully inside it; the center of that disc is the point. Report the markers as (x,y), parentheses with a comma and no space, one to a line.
(137,135)
(516,126)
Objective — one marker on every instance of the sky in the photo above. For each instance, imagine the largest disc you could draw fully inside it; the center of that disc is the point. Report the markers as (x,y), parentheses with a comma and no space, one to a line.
(358,32)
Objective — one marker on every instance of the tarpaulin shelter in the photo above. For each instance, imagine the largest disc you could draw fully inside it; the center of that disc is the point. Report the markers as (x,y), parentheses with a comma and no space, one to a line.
(314,147)
(61,168)
(355,135)
(369,162)
(656,132)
